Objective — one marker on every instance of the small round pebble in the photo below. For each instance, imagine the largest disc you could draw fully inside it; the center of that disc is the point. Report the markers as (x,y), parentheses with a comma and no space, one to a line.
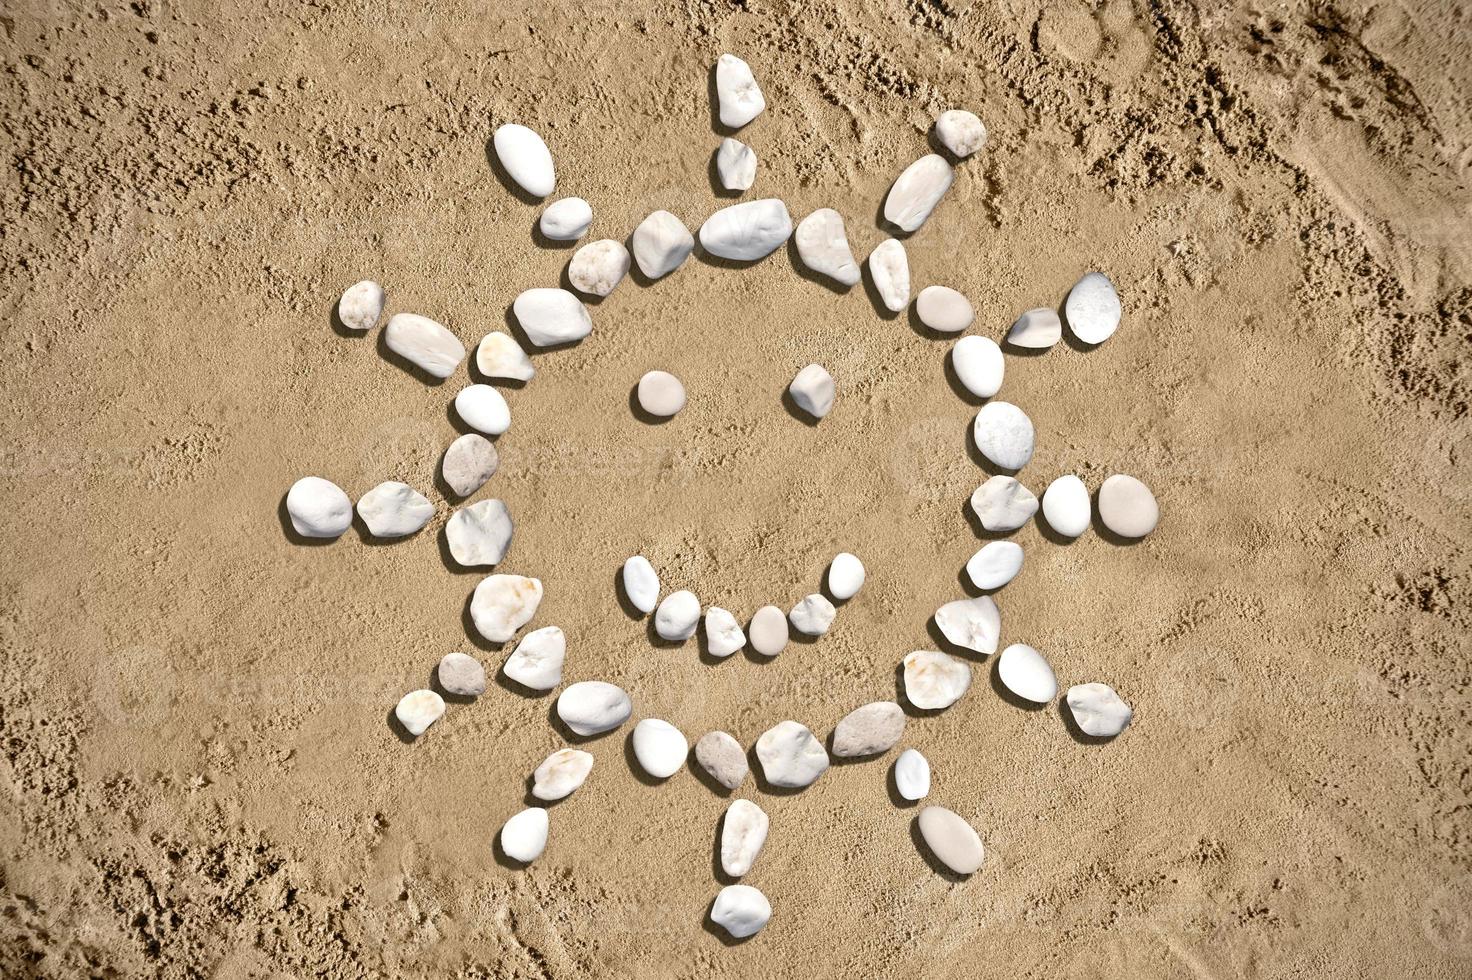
(361,305)
(1036,329)
(869,730)
(934,680)
(790,755)
(551,316)
(659,747)
(741,910)
(499,356)
(979,365)
(661,393)
(1025,673)
(561,773)
(813,390)
(417,710)
(813,615)
(566,219)
(1003,504)
(912,775)
(736,165)
(503,604)
(598,267)
(845,576)
(974,624)
(1127,507)
(996,564)
(526,158)
(960,132)
(393,510)
(661,244)
(1093,309)
(1004,434)
(723,635)
(482,408)
(944,309)
(461,674)
(641,584)
(951,839)
(590,707)
(1066,506)
(677,616)
(470,461)
(318,508)
(767,631)
(1098,710)
(722,756)
(537,660)
(524,836)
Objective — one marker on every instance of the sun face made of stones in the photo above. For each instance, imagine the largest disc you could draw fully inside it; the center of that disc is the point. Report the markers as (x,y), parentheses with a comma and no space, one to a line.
(479,534)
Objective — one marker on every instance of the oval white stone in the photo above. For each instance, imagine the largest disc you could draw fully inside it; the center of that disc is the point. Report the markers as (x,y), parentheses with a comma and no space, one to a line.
(739,96)
(869,730)
(480,534)
(743,832)
(1003,504)
(813,390)
(659,747)
(1127,507)
(736,165)
(748,231)
(361,305)
(971,623)
(661,244)
(524,836)
(318,508)
(723,635)
(462,675)
(951,839)
(641,583)
(503,604)
(526,158)
(500,356)
(889,267)
(598,266)
(790,755)
(677,616)
(912,775)
(1004,434)
(822,244)
(470,461)
(561,773)
(996,564)
(917,191)
(741,910)
(960,132)
(482,407)
(417,710)
(845,576)
(393,509)
(537,660)
(661,393)
(1026,674)
(767,631)
(812,615)
(424,343)
(979,365)
(1093,308)
(1066,506)
(1036,329)
(934,680)
(551,316)
(944,309)
(1098,710)
(567,219)
(590,707)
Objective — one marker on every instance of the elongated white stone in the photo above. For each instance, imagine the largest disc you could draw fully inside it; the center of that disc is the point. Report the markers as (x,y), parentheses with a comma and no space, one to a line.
(812,615)
(723,635)
(318,508)
(1127,507)
(361,305)
(741,910)
(524,836)
(960,132)
(869,730)
(944,309)
(822,244)
(417,710)
(1036,329)
(790,755)
(996,564)
(551,316)
(1003,504)
(889,267)
(537,660)
(1093,309)
(737,92)
(917,191)
(1066,506)
(974,624)
(641,583)
(470,461)
(567,219)
(480,533)
(424,343)
(503,604)
(590,707)
(722,756)
(393,509)
(743,832)
(661,244)
(745,232)
(813,390)
(561,773)
(1026,674)
(659,747)
(598,266)
(462,675)
(526,158)
(677,616)
(934,680)
(736,165)
(845,576)
(912,775)
(1098,710)
(951,839)
(500,356)
(1004,434)
(979,365)
(767,631)
(481,407)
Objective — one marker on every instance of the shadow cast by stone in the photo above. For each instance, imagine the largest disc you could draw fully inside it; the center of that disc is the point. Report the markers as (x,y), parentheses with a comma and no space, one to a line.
(866,276)
(633,763)
(716,871)
(1075,732)
(403,362)
(292,534)
(790,405)
(1001,690)
(954,380)
(754,763)
(505,178)
(801,268)
(893,789)
(704,777)
(397,727)
(929,857)
(648,418)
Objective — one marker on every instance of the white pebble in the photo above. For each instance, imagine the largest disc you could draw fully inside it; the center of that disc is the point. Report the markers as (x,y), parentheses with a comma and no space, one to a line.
(845,576)
(748,231)
(741,910)
(917,191)
(790,755)
(996,564)
(641,583)
(822,245)
(1098,710)
(551,316)
(1127,507)
(561,773)
(661,244)
(944,309)
(524,836)
(889,267)
(737,92)
(722,757)
(736,165)
(503,604)
(767,631)
(743,832)
(462,675)
(1004,434)
(812,615)
(659,747)
(912,775)
(424,343)
(393,509)
(960,132)
(1003,504)
(979,365)
(1066,506)
(1036,329)
(567,219)
(951,839)
(480,534)
(661,393)
(1092,308)
(482,407)
(361,305)
(598,266)
(677,616)
(971,623)
(500,356)
(526,158)
(934,680)
(417,710)
(869,730)
(1026,674)
(813,390)
(470,461)
(723,635)
(590,707)
(537,660)
(318,508)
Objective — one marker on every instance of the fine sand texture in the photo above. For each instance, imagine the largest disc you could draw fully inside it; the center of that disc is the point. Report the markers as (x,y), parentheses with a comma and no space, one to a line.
(201,777)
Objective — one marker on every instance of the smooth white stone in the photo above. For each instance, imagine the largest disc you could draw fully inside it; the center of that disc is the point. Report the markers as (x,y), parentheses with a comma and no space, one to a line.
(318,508)
(417,710)
(661,393)
(677,616)
(424,343)
(641,583)
(561,773)
(393,509)
(743,832)
(1026,674)
(951,839)
(741,910)
(912,775)
(1066,506)
(979,365)
(526,158)
(1004,434)
(567,219)
(361,305)
(723,757)
(917,191)
(461,674)
(1036,329)
(960,132)
(500,356)
(1098,710)
(812,615)
(1003,504)
(552,316)
(470,461)
(790,755)
(845,576)
(745,232)
(524,836)
(590,707)
(1093,308)
(934,680)
(767,631)
(480,534)
(659,747)
(503,604)
(661,244)
(482,407)
(822,244)
(889,267)
(598,266)
(736,165)
(971,623)
(723,635)
(869,730)
(1127,507)
(996,564)
(737,92)
(944,309)
(537,660)
(813,390)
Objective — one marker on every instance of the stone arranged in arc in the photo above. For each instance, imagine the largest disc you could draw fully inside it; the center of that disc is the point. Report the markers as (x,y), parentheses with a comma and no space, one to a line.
(979,365)
(524,836)
(597,267)
(318,508)
(526,158)
(944,309)
(1003,504)
(641,584)
(975,624)
(1004,434)
(1036,329)
(748,231)
(822,244)
(461,675)
(677,616)
(934,680)
(499,356)
(845,576)
(426,344)
(812,615)
(479,535)
(661,244)
(361,305)
(767,631)
(1127,507)
(1098,710)
(1093,309)
(470,461)
(561,773)
(537,660)
(593,707)
(394,510)
(951,839)
(551,316)
(741,910)
(723,757)
(917,191)
(1066,506)
(417,710)
(790,755)
(912,775)
(1025,673)
(889,268)
(869,730)
(743,832)
(659,747)
(995,564)
(482,408)
(723,634)
(503,604)
(566,219)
